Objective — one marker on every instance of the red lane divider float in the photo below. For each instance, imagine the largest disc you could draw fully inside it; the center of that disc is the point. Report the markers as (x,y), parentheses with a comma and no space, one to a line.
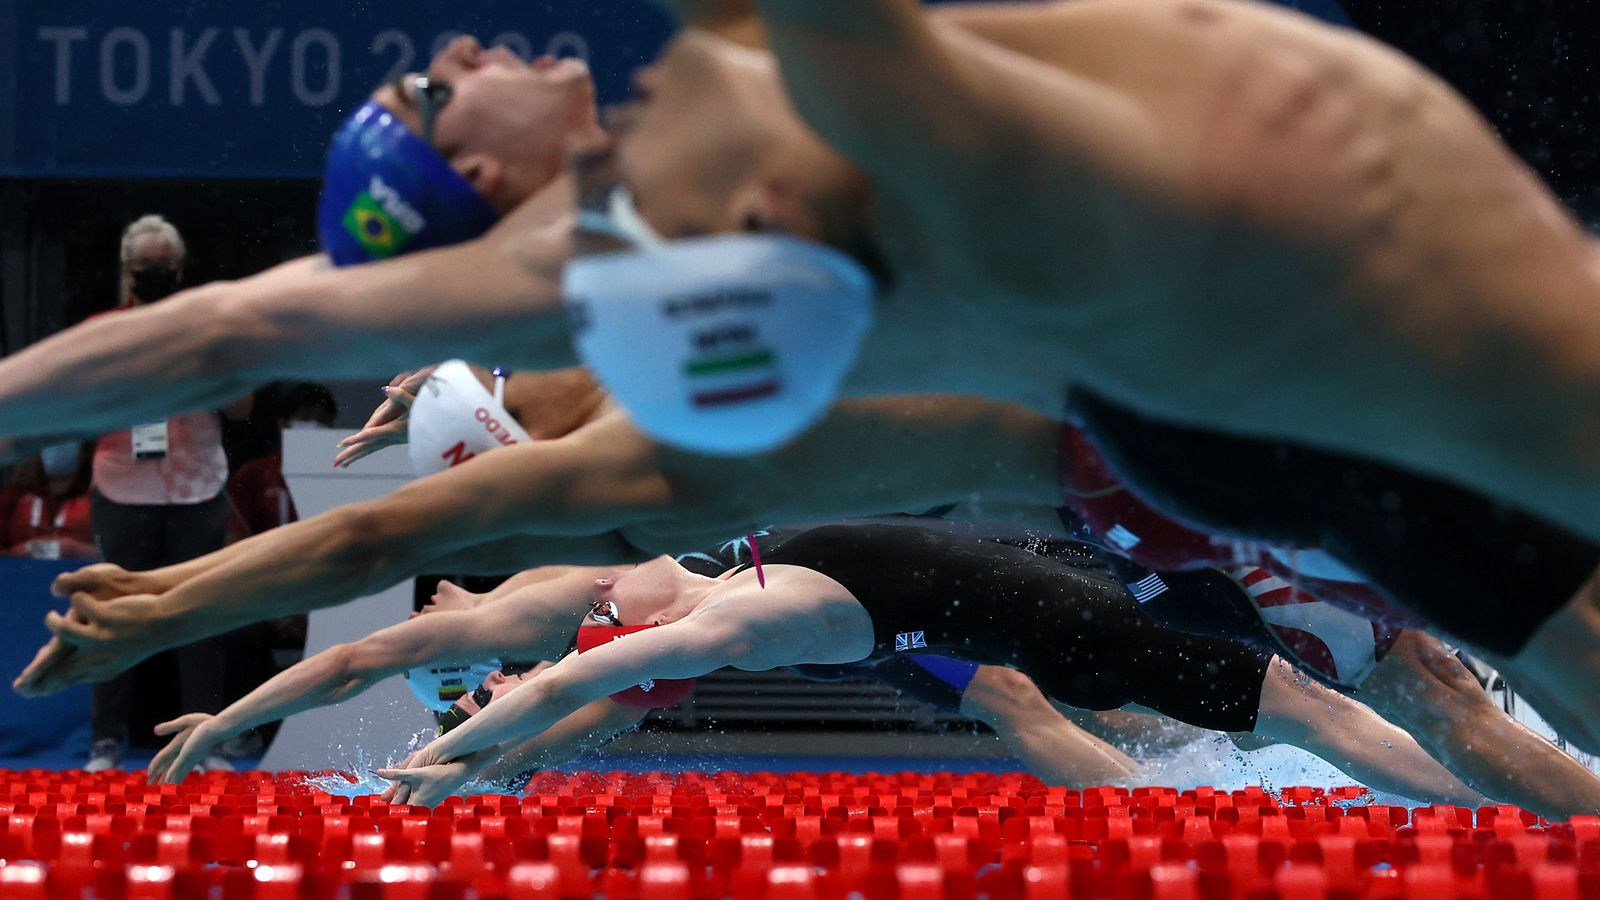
(767,836)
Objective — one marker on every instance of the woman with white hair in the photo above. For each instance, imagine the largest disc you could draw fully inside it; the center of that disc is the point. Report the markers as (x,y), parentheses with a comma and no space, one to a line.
(152,258)
(158,495)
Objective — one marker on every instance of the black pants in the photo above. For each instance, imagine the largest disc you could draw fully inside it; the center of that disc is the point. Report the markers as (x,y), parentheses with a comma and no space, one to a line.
(147,537)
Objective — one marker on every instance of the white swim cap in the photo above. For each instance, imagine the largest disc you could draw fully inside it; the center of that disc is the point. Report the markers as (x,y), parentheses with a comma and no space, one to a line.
(439,687)
(454,419)
(726,345)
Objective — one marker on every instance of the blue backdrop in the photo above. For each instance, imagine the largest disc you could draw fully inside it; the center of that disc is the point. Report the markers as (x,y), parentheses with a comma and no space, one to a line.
(214,89)
(30,727)
(206,88)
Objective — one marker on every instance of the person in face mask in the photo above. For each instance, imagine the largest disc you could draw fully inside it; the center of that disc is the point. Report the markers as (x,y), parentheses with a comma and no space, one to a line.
(152,261)
(158,492)
(44,512)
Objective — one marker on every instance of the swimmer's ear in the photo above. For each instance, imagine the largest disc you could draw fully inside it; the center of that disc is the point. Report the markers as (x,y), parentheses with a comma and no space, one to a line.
(483,172)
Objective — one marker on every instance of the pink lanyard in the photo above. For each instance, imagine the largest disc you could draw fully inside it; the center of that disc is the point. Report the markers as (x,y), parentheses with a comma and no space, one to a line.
(755,560)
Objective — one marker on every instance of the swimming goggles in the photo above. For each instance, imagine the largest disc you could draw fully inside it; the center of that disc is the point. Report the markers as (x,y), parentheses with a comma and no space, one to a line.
(605,613)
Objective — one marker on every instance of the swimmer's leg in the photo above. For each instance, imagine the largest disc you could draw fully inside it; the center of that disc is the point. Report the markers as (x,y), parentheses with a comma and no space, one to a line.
(1054,749)
(1353,738)
(1560,667)
(1426,690)
(1142,733)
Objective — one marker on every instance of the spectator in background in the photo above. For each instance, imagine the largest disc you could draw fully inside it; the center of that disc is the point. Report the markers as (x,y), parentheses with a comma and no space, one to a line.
(44,509)
(158,499)
(260,497)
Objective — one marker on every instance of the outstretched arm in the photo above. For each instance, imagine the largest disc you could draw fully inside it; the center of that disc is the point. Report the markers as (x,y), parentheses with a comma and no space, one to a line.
(740,624)
(115,371)
(524,624)
(584,730)
(583,485)
(687,648)
(87,369)
(495,298)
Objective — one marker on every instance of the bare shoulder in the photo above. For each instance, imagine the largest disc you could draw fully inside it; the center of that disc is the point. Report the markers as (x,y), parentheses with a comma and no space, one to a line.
(611,426)
(799,616)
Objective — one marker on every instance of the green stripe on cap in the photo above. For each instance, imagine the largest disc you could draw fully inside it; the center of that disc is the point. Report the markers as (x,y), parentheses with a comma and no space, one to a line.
(728,363)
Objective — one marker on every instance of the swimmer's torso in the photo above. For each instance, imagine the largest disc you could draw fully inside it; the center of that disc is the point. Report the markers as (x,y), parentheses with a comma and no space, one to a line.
(1074,631)
(927,591)
(1321,192)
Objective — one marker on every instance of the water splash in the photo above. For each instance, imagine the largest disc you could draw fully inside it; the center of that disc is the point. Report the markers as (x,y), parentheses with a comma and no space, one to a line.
(1215,762)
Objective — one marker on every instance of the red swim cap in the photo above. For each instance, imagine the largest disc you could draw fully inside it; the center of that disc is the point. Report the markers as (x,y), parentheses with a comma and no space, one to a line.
(657,693)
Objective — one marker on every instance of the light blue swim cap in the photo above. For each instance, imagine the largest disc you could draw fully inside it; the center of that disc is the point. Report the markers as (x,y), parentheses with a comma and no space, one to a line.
(385,192)
(439,687)
(727,345)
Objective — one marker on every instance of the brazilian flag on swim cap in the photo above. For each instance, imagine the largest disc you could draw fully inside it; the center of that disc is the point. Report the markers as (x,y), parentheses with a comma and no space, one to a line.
(386,192)
(374,229)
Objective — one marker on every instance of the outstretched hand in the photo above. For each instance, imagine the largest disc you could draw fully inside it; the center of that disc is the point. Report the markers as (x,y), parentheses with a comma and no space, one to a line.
(93,641)
(388,423)
(425,779)
(194,737)
(107,581)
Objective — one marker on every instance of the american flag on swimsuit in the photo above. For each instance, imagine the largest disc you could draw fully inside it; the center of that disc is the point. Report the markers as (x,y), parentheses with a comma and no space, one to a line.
(1340,645)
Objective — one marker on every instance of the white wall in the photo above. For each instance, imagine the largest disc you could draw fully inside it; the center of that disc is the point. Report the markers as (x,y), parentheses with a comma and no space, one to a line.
(374,728)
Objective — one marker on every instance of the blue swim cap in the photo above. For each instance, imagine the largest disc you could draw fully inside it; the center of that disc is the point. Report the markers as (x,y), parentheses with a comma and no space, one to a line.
(386,192)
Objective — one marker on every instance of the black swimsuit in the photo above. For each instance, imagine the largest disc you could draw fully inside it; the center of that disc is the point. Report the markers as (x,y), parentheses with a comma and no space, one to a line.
(1477,568)
(1077,633)
(939,681)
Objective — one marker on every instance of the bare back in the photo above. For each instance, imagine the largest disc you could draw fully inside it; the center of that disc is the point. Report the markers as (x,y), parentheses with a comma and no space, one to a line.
(1324,243)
